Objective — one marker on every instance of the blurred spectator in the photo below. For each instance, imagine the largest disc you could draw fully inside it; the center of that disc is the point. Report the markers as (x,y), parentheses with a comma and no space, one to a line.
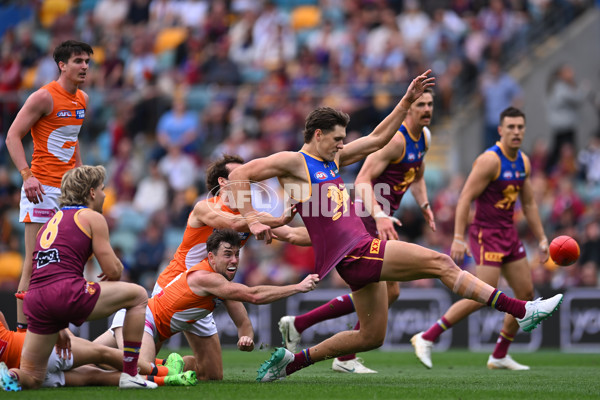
(110,14)
(124,171)
(564,101)
(179,169)
(219,68)
(112,69)
(148,256)
(139,12)
(141,64)
(589,161)
(11,262)
(413,23)
(567,207)
(178,127)
(152,193)
(147,110)
(498,91)
(10,80)
(590,245)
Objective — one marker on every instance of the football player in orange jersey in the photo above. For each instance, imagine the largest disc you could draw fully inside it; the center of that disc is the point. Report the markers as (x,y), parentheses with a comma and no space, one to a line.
(193,294)
(54,115)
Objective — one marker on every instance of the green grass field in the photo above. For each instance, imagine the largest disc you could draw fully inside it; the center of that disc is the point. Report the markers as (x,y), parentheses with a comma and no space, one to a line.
(456,375)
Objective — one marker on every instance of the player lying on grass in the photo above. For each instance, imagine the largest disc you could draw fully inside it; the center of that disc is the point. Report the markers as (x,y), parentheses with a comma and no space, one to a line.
(192,295)
(72,367)
(59,294)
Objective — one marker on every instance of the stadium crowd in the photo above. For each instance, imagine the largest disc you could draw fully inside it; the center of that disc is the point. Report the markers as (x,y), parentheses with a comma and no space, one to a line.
(174,84)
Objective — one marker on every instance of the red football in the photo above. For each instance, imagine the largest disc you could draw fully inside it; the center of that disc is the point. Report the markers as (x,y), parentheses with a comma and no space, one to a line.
(564,250)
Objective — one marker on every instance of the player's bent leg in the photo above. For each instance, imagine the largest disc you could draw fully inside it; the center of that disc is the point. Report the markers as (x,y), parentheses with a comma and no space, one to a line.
(106,339)
(371,307)
(30,235)
(518,276)
(91,376)
(85,352)
(117,295)
(393,292)
(34,359)
(208,357)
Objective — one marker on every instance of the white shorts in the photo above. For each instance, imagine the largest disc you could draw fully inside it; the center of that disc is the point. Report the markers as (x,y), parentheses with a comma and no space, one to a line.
(55,376)
(41,212)
(204,327)
(149,325)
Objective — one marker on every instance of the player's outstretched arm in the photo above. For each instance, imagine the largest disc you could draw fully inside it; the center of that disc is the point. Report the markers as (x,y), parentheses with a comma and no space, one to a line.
(239,316)
(373,167)
(294,235)
(283,165)
(360,148)
(203,283)
(207,213)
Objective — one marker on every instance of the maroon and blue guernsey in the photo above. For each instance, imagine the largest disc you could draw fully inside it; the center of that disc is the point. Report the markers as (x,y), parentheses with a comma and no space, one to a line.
(401,173)
(329,215)
(62,249)
(495,207)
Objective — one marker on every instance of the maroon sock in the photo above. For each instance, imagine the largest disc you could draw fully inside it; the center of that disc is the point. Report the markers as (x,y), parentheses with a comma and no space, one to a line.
(352,356)
(441,326)
(131,353)
(301,360)
(504,340)
(502,302)
(341,305)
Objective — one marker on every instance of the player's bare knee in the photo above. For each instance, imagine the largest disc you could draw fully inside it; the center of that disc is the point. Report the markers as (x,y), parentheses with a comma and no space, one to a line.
(393,292)
(444,265)
(140,296)
(374,340)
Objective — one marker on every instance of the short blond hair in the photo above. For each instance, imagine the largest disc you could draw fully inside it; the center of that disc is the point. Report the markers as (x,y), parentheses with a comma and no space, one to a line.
(77,182)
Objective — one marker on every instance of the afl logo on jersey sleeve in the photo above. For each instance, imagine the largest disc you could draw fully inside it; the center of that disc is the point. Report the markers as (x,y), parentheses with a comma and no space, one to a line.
(320,175)
(80,114)
(64,114)
(508,175)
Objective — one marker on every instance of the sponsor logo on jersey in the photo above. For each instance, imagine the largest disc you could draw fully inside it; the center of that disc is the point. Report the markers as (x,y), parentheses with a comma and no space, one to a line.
(46,257)
(320,175)
(64,114)
(508,175)
(80,114)
(411,157)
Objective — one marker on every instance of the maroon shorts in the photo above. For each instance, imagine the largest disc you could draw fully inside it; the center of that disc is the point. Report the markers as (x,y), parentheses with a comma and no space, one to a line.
(51,308)
(362,265)
(370,225)
(495,246)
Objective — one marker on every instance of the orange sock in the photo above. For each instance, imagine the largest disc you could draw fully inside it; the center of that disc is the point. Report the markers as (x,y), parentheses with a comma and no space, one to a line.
(159,380)
(159,361)
(162,370)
